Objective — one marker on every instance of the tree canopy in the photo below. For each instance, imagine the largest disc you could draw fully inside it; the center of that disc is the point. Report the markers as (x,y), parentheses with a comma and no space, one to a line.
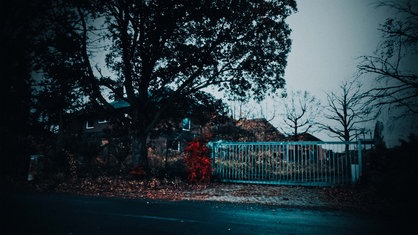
(15,88)
(162,52)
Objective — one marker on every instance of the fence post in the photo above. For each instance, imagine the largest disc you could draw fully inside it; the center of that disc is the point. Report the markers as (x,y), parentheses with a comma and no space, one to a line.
(360,158)
(212,147)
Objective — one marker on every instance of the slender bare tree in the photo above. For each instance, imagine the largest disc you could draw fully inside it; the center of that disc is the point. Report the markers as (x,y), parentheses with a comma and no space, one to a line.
(300,112)
(392,64)
(346,111)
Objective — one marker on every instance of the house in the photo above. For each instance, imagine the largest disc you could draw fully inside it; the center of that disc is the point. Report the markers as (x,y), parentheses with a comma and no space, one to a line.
(103,138)
(303,137)
(243,130)
(253,130)
(249,130)
(96,122)
(261,129)
(101,129)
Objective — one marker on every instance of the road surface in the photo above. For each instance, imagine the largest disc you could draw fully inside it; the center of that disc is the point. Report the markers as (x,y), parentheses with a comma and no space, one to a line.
(34,213)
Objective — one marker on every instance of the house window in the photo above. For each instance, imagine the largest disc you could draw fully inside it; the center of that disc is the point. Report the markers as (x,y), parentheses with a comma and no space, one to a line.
(90,124)
(185,124)
(101,121)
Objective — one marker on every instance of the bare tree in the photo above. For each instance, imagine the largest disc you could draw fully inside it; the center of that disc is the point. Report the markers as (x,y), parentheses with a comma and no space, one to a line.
(392,64)
(269,110)
(301,110)
(346,111)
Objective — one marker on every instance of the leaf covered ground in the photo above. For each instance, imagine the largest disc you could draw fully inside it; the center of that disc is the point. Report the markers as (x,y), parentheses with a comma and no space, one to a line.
(356,198)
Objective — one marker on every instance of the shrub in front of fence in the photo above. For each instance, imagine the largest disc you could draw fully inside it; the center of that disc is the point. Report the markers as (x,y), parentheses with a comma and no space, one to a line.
(198,162)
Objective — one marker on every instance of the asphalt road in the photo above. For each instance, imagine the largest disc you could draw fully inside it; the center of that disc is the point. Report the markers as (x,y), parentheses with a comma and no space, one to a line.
(70,214)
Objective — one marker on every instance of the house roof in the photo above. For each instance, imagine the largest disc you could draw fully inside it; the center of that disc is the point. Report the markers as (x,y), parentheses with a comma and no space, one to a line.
(304,137)
(119,104)
(262,129)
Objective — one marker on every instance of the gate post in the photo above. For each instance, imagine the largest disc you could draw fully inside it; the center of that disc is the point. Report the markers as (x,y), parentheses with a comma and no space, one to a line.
(360,158)
(212,147)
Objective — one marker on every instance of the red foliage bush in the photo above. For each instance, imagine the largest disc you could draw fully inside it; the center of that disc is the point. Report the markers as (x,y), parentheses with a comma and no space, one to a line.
(198,162)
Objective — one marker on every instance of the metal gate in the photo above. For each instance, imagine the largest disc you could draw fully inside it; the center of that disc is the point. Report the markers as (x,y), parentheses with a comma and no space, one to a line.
(287,163)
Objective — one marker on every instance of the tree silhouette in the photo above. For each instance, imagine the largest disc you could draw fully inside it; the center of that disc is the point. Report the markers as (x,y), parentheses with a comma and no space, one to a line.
(301,110)
(162,52)
(378,137)
(346,110)
(59,86)
(15,64)
(392,64)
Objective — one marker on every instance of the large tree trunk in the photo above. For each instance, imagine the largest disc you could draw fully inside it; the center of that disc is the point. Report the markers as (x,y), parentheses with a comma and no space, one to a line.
(139,152)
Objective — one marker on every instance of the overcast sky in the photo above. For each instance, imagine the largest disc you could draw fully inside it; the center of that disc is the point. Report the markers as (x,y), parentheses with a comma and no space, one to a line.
(328,36)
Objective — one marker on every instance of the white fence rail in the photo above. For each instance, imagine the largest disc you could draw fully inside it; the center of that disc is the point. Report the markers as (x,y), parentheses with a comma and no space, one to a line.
(287,163)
